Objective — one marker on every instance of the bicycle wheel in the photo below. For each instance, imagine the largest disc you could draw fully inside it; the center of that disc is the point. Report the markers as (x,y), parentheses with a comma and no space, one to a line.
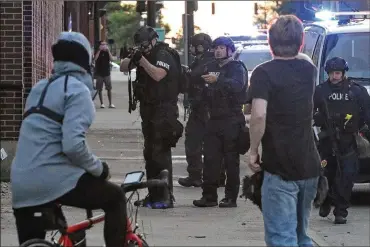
(38,243)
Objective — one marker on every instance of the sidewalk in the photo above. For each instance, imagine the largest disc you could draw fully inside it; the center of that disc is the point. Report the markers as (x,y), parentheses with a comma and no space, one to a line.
(323,232)
(122,145)
(118,118)
(115,137)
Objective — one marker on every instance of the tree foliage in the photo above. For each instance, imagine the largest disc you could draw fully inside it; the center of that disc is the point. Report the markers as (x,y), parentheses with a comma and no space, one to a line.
(267,11)
(123,21)
(166,26)
(304,10)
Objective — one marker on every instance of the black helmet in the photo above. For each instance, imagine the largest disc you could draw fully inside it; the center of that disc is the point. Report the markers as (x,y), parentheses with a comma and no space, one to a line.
(336,64)
(202,39)
(226,41)
(73,47)
(144,34)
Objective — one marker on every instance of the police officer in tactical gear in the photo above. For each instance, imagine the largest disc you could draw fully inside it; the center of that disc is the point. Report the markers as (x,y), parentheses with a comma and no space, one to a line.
(195,129)
(225,94)
(157,90)
(347,105)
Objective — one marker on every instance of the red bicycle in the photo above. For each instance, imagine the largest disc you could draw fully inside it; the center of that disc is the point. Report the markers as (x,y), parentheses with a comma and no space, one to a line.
(75,235)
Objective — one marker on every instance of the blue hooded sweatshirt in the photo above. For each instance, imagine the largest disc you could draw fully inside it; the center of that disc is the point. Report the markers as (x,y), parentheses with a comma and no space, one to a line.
(50,156)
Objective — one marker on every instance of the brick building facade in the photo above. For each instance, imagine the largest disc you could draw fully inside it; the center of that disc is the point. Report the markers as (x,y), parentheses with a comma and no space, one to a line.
(28,30)
(24,54)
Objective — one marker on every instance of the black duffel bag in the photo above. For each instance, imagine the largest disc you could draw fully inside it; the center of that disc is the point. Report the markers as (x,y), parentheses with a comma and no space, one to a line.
(244,142)
(171,132)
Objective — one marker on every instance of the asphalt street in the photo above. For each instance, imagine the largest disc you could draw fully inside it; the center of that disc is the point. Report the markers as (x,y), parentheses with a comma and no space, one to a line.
(115,137)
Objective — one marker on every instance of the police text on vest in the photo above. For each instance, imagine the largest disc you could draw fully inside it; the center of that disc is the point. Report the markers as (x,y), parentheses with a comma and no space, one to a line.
(338,96)
(163,65)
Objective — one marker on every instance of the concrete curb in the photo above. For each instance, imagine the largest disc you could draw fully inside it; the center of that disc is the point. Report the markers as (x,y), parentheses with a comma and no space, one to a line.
(174,157)
(319,241)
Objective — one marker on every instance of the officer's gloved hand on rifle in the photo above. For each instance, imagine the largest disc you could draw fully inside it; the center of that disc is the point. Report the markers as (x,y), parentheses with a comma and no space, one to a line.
(136,56)
(185,69)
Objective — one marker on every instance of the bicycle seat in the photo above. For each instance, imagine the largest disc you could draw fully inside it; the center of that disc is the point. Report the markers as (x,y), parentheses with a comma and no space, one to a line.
(50,216)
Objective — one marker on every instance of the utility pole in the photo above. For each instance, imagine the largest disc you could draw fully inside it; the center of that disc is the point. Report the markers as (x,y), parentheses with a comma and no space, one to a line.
(96,26)
(151,12)
(186,35)
(188,27)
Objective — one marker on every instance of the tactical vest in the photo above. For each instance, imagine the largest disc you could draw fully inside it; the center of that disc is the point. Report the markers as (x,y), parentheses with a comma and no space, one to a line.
(43,110)
(341,102)
(166,90)
(224,103)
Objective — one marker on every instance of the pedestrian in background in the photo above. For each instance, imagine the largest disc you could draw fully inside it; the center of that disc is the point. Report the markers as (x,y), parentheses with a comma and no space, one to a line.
(124,52)
(281,117)
(103,58)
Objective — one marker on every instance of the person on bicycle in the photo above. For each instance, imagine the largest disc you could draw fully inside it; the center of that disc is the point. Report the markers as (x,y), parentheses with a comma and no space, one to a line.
(53,164)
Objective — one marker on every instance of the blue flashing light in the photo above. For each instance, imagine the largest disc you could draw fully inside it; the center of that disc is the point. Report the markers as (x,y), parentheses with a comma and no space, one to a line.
(324,15)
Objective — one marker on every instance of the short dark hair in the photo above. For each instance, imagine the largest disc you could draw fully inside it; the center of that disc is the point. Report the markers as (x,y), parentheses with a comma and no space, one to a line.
(286,36)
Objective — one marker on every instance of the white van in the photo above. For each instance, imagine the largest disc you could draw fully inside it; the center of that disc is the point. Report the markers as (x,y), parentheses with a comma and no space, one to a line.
(347,37)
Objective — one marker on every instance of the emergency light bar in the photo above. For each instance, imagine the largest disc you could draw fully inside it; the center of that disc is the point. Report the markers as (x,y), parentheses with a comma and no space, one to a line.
(327,15)
(254,42)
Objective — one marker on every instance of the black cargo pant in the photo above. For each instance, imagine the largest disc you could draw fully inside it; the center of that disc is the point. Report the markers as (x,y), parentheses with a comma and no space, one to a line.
(157,153)
(220,143)
(341,182)
(90,193)
(194,136)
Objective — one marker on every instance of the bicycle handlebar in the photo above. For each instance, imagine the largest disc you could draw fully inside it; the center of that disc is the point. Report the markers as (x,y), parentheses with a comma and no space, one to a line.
(162,181)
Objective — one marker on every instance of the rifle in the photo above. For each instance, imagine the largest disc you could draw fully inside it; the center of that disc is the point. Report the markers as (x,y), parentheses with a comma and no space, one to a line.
(132,100)
(333,133)
(186,73)
(186,105)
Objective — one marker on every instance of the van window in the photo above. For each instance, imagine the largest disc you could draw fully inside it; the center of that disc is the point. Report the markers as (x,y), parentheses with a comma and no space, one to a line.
(309,42)
(252,59)
(354,48)
(316,53)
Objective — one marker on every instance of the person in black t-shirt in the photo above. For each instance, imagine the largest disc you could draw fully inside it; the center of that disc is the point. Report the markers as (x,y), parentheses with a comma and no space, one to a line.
(281,117)
(102,71)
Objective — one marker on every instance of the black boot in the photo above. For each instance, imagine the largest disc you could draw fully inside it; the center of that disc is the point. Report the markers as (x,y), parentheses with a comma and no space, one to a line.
(146,202)
(188,182)
(166,200)
(340,220)
(227,203)
(325,210)
(204,202)
(163,205)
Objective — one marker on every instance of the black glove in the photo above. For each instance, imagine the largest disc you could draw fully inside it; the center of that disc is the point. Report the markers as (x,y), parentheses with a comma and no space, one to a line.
(185,69)
(137,55)
(105,175)
(319,119)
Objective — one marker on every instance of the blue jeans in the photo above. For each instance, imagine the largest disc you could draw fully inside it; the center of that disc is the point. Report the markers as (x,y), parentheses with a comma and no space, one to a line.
(286,207)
